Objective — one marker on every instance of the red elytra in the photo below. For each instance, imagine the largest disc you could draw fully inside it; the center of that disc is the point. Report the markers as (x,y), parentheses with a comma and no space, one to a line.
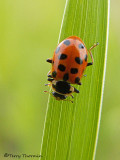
(69,60)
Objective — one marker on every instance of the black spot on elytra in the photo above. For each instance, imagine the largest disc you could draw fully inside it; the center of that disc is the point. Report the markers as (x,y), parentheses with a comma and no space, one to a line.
(54,73)
(62,56)
(74,70)
(66,77)
(57,50)
(77,80)
(78,60)
(81,46)
(67,42)
(61,67)
(86,57)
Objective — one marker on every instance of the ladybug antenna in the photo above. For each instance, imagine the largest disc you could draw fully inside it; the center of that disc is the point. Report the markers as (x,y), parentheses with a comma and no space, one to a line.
(91,53)
(96,44)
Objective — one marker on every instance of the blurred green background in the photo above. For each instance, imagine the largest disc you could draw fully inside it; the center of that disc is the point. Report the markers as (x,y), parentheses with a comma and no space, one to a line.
(29,31)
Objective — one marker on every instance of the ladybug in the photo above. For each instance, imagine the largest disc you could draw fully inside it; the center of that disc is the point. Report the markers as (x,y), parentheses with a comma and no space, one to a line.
(69,62)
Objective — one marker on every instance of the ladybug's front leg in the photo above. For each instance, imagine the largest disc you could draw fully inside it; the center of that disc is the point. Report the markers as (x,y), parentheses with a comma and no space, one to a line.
(91,63)
(49,60)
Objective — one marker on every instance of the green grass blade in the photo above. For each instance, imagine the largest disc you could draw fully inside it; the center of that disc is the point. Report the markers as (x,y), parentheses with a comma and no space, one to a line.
(71,130)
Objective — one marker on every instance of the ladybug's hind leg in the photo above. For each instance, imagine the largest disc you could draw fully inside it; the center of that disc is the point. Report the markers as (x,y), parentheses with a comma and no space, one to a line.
(91,63)
(49,60)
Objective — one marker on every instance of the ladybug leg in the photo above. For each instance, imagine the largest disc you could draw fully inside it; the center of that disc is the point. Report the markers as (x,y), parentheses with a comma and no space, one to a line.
(50,79)
(91,63)
(49,93)
(75,90)
(49,60)
(77,81)
(49,76)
